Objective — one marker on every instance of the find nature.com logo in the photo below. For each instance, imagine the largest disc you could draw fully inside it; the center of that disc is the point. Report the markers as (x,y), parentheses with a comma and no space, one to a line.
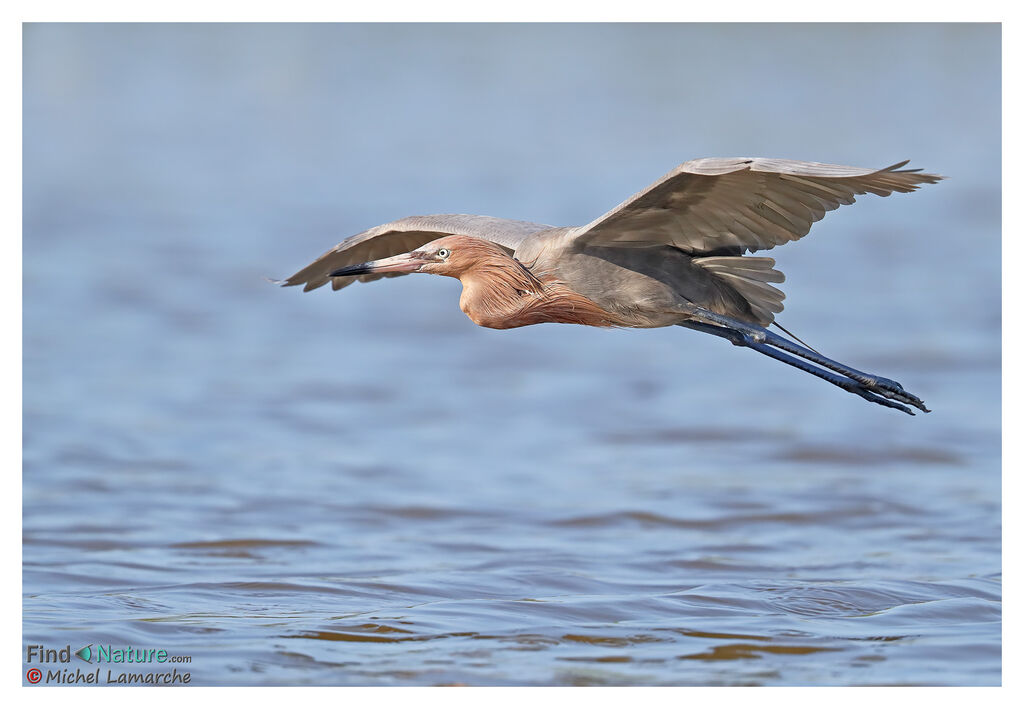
(105,654)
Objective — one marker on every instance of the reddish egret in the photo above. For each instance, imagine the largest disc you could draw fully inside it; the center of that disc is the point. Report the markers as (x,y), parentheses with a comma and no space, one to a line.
(672,254)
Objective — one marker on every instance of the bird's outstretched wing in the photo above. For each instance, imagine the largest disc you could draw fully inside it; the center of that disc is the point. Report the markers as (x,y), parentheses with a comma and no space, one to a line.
(734,205)
(406,235)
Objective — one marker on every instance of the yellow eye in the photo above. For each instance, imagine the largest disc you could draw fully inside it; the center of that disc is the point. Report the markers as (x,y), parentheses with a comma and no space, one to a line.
(443,253)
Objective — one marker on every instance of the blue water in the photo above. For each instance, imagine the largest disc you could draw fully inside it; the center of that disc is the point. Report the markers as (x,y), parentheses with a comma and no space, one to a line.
(365,488)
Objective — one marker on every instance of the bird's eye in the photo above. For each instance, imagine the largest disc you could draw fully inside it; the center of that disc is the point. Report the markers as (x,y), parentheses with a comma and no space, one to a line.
(443,253)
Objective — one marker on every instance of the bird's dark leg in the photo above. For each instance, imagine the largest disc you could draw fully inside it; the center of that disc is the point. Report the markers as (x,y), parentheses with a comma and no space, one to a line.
(886,387)
(869,388)
(759,334)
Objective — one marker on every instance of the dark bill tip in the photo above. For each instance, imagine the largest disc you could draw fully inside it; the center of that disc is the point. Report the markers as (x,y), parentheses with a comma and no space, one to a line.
(356,270)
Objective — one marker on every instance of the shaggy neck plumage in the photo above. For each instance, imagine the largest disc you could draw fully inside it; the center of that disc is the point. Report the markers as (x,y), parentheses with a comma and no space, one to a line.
(501,293)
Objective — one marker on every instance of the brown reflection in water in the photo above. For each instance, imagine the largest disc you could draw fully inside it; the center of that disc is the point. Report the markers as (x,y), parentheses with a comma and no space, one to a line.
(376,633)
(232,543)
(692,435)
(721,636)
(741,651)
(239,548)
(868,456)
(611,641)
(607,658)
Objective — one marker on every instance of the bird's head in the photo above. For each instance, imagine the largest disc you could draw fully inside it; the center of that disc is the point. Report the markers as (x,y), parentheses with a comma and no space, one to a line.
(448,256)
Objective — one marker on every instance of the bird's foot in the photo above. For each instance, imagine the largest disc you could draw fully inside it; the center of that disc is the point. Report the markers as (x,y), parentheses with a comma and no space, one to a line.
(885,391)
(879,390)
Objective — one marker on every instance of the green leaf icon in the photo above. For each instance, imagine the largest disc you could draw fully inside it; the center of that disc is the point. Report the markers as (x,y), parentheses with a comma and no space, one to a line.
(85,653)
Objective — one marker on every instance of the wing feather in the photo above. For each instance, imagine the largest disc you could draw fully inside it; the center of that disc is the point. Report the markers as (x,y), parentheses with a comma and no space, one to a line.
(712,204)
(401,237)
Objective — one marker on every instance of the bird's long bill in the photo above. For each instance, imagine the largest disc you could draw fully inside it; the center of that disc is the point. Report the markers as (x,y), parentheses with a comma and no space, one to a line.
(403,263)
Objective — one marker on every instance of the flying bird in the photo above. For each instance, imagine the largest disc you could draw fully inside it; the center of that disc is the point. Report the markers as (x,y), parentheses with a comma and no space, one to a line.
(672,254)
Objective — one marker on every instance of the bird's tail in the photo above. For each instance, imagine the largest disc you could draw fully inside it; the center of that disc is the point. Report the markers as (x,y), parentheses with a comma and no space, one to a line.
(749,276)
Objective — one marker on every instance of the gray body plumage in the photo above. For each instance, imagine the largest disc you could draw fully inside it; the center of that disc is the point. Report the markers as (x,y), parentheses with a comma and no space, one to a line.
(680,242)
